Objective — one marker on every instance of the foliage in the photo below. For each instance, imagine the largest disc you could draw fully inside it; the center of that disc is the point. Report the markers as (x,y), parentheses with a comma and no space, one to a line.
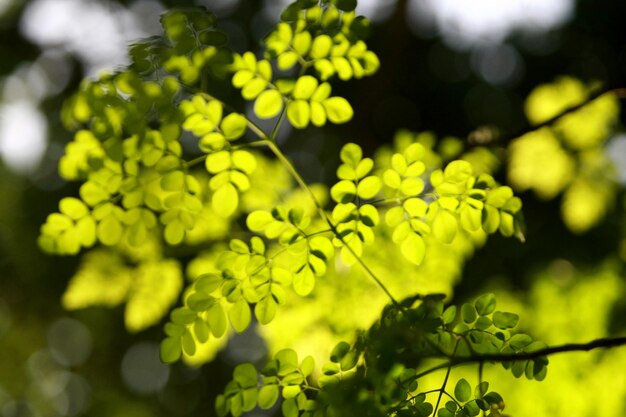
(263,250)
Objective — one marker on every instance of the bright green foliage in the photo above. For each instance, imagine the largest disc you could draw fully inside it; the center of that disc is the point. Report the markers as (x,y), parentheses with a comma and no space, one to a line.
(327,38)
(569,156)
(460,202)
(307,255)
(354,221)
(204,118)
(149,289)
(250,75)
(142,193)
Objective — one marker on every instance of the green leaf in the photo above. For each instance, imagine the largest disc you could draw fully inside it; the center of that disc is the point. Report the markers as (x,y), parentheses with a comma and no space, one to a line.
(493,398)
(291,391)
(339,351)
(481,389)
(445,226)
(299,113)
(183,315)
(244,161)
(338,109)
(304,282)
(188,343)
(201,330)
(504,320)
(217,320)
(424,410)
(321,46)
(287,360)
(109,231)
(471,408)
(520,341)
(304,88)
(485,304)
(290,408)
(462,391)
(413,248)
(346,5)
(368,187)
(73,207)
(468,313)
(222,406)
(92,193)
(245,375)
(174,233)
(351,154)
(170,349)
(225,200)
(443,412)
(268,104)
(449,315)
(343,192)
(253,88)
(265,310)
(490,219)
(218,162)
(259,220)
(268,395)
(240,315)
(302,42)
(234,126)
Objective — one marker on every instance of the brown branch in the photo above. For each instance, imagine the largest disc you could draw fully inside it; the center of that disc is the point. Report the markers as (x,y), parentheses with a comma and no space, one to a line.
(570,347)
(507,357)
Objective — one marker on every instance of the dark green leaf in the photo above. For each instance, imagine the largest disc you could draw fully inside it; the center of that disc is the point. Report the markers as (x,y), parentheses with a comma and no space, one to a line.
(339,351)
(485,304)
(504,320)
(449,315)
(468,313)
(346,5)
(462,390)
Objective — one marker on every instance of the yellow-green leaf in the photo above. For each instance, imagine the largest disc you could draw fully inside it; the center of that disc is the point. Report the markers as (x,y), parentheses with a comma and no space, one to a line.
(445,226)
(109,231)
(265,310)
(225,200)
(234,126)
(170,349)
(240,315)
(268,104)
(413,248)
(299,113)
(338,109)
(304,88)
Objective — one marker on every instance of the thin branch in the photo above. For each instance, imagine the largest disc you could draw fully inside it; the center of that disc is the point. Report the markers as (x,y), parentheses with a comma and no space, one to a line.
(445,380)
(507,357)
(296,175)
(569,347)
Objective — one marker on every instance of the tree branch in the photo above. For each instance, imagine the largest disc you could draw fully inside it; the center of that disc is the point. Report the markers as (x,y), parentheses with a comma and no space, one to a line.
(569,347)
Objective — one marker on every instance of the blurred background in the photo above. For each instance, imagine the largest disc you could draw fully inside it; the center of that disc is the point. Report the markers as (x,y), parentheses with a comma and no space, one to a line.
(448,66)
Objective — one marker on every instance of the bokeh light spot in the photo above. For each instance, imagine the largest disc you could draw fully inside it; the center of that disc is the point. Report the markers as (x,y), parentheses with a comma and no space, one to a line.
(142,371)
(70,342)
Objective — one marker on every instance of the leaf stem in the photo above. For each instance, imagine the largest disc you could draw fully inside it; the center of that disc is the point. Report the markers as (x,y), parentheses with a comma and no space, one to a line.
(296,175)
